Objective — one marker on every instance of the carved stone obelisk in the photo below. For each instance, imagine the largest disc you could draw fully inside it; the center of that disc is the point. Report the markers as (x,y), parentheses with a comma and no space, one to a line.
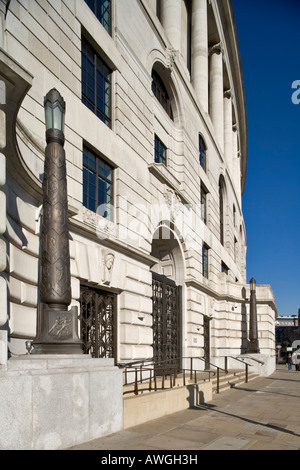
(253,346)
(56,323)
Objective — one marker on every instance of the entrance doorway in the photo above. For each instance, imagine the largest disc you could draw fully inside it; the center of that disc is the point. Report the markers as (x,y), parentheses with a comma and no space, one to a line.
(168,277)
(98,322)
(166,322)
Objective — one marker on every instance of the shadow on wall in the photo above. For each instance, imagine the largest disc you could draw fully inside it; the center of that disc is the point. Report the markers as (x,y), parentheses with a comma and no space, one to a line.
(196,396)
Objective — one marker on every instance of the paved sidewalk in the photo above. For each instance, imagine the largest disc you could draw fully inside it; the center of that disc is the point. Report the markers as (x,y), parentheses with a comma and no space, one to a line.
(263,414)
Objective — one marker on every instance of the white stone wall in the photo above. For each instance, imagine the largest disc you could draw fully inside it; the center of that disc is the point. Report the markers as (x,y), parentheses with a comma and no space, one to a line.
(45,38)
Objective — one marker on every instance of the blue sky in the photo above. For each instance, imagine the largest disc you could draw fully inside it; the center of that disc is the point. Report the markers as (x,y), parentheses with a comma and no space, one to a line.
(269,40)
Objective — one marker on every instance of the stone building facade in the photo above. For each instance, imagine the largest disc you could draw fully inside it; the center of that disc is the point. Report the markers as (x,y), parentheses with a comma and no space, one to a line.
(156,148)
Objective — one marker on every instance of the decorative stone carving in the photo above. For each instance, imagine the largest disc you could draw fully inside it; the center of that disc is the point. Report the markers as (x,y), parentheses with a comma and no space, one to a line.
(173,202)
(216,47)
(171,55)
(108,259)
(104,228)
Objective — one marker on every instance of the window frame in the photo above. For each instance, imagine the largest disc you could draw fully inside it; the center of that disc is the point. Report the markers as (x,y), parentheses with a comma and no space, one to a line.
(158,141)
(99,162)
(221,209)
(202,152)
(96,7)
(203,205)
(205,261)
(160,92)
(159,10)
(99,66)
(224,268)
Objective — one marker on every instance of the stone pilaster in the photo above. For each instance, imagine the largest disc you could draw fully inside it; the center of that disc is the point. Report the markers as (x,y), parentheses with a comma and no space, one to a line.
(216,93)
(200,51)
(171,21)
(228,128)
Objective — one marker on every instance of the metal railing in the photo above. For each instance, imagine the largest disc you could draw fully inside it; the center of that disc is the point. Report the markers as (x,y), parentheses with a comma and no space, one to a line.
(166,372)
(247,365)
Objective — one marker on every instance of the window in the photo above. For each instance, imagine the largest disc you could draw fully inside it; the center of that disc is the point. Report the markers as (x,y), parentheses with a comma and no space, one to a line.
(161,94)
(102,10)
(160,152)
(202,153)
(203,202)
(96,83)
(205,260)
(224,268)
(97,184)
(221,208)
(235,250)
(158,9)
(188,6)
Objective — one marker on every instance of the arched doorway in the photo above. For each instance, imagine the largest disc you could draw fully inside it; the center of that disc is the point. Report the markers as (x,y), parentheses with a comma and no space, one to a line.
(167,281)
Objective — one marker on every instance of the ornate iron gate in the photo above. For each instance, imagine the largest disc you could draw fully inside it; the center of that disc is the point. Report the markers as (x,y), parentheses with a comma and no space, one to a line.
(98,322)
(206,332)
(166,298)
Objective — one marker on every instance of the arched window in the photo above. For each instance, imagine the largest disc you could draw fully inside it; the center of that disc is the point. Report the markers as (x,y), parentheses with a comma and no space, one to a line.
(202,153)
(161,94)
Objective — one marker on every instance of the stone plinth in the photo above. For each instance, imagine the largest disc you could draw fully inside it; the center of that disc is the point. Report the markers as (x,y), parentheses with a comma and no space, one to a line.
(54,402)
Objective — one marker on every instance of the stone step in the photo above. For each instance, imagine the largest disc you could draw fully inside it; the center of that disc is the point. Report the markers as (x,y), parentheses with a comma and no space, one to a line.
(226,381)
(231,380)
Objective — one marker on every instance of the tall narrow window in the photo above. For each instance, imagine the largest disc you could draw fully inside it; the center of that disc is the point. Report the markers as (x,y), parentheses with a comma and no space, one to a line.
(234,215)
(205,260)
(102,10)
(158,9)
(160,152)
(235,250)
(202,153)
(203,202)
(161,94)
(224,268)
(96,83)
(221,208)
(97,184)
(189,34)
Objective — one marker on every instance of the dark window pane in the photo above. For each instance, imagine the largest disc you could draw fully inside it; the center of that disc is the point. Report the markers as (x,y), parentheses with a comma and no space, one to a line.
(97,182)
(202,153)
(92,205)
(161,94)
(96,87)
(159,151)
(102,10)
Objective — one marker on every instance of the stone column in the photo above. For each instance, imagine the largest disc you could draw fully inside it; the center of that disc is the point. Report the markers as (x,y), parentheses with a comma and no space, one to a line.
(56,324)
(3,286)
(200,51)
(171,21)
(235,159)
(228,128)
(216,93)
(253,346)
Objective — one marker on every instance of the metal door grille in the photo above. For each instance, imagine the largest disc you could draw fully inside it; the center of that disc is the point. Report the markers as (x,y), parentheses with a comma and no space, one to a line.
(166,321)
(97,319)
(206,332)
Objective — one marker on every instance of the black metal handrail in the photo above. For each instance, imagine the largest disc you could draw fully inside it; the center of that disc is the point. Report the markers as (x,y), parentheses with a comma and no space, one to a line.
(165,370)
(252,359)
(242,361)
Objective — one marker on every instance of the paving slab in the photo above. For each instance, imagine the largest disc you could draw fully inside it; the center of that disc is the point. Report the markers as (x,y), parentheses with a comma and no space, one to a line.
(263,414)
